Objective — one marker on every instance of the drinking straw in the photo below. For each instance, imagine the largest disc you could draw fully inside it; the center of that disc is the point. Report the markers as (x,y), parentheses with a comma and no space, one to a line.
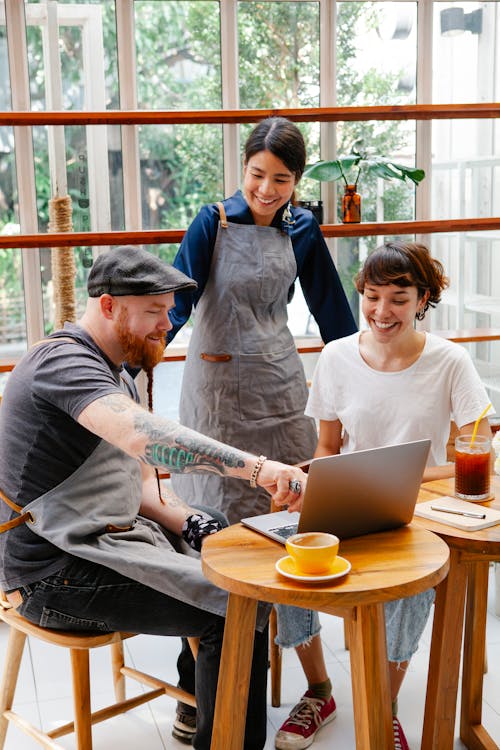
(476,425)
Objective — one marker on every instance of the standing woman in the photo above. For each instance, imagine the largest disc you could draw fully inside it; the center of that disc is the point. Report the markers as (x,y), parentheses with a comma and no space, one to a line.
(243,379)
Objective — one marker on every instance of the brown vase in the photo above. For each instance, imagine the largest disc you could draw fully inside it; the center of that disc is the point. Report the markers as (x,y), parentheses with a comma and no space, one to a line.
(351,205)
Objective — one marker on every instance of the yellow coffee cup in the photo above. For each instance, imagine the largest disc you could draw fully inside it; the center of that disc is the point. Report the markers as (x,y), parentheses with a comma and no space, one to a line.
(313,552)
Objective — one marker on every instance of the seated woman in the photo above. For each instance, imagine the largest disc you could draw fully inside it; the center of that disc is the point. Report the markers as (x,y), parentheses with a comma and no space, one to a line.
(384,385)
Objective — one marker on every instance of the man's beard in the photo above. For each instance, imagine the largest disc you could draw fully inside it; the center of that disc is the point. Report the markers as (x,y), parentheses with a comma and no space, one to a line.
(138,352)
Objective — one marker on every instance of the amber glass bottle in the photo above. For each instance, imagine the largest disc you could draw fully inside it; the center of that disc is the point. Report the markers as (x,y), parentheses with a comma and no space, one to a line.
(351,205)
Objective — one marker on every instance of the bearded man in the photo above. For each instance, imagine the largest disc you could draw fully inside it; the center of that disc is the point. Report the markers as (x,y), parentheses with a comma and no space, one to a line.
(77,459)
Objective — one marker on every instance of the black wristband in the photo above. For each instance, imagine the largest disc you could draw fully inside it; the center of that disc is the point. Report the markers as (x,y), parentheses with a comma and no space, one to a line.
(196,527)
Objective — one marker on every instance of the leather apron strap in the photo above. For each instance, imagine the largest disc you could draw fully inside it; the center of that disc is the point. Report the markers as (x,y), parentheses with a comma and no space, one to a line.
(22,518)
(222,212)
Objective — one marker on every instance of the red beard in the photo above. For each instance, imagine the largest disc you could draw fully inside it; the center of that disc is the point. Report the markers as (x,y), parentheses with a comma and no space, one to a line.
(138,352)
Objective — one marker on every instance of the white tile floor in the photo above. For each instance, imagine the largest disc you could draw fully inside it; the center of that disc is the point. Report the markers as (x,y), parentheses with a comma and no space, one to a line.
(44,692)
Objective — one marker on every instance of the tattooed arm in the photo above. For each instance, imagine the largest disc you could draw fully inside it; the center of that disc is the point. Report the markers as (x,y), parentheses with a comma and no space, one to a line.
(171,511)
(163,443)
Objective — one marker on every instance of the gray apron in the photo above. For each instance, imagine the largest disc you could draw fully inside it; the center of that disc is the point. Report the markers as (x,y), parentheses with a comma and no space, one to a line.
(106,489)
(244,383)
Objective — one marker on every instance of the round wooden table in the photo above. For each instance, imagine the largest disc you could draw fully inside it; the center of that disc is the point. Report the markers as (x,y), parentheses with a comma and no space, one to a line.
(467,582)
(385,566)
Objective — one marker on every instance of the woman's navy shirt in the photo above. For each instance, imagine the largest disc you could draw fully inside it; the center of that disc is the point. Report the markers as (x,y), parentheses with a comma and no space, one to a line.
(323,291)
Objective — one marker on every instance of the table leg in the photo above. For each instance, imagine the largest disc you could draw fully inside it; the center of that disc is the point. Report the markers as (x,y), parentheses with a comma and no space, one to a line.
(444,660)
(472,733)
(370,678)
(234,674)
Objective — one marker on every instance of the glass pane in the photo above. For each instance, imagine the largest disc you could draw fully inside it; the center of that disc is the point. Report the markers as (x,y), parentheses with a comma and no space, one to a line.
(81,161)
(87,34)
(472,263)
(9,207)
(278,54)
(466,165)
(376,53)
(466,52)
(5,102)
(376,64)
(178,54)
(181,169)
(12,312)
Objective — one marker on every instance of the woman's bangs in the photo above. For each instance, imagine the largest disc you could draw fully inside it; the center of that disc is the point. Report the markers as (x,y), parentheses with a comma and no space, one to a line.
(386,268)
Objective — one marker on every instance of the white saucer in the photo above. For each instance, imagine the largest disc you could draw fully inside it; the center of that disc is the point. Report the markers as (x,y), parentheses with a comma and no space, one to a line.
(286,567)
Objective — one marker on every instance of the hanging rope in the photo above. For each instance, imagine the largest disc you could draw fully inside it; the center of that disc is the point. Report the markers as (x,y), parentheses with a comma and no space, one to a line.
(63,262)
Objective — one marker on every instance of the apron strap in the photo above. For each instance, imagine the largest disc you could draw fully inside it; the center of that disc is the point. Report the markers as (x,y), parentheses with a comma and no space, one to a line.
(222,212)
(22,518)
(57,338)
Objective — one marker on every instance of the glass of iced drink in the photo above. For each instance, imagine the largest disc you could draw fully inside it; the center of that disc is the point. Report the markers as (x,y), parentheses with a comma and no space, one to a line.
(472,467)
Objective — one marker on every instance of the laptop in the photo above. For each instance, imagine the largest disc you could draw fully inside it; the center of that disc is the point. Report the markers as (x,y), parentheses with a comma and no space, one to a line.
(351,494)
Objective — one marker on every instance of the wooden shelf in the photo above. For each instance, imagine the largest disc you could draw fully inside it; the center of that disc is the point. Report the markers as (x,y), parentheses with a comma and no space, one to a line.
(169,236)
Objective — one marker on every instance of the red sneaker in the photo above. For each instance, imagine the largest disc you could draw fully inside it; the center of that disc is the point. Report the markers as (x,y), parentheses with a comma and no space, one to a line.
(400,742)
(306,718)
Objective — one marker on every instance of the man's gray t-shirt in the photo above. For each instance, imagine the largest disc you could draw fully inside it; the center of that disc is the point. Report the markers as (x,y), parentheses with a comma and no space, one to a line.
(41,443)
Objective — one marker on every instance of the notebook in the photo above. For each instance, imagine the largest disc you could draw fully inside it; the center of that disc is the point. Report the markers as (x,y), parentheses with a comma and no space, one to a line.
(351,494)
(492,515)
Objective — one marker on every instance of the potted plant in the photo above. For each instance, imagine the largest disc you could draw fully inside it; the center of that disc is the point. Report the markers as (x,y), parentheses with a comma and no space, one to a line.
(361,161)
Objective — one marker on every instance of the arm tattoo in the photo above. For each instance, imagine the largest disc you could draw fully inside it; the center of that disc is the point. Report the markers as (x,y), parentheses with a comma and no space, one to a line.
(115,402)
(181,450)
(172,500)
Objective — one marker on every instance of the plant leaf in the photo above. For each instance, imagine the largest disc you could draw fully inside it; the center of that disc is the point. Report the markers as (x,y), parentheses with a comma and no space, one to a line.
(325,171)
(414,174)
(386,171)
(349,161)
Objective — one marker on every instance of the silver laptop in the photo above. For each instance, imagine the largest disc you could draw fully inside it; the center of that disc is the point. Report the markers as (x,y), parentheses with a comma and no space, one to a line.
(350,494)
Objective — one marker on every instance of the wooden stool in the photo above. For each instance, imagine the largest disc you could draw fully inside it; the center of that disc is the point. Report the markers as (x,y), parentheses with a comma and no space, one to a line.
(79,645)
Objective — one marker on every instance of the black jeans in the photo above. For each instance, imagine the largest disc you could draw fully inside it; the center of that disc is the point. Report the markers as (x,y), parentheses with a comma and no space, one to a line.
(186,666)
(89,597)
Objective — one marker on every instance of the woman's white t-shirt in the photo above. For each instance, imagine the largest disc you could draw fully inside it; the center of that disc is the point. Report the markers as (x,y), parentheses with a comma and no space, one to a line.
(384,408)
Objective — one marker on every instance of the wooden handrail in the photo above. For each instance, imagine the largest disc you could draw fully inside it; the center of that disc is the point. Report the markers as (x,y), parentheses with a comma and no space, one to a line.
(169,236)
(465,335)
(477,110)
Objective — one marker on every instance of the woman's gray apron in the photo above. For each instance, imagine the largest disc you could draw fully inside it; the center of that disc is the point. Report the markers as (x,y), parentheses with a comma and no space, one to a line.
(104,490)
(244,383)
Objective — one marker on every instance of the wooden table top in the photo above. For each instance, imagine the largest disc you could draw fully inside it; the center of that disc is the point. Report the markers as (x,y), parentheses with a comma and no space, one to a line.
(485,541)
(385,566)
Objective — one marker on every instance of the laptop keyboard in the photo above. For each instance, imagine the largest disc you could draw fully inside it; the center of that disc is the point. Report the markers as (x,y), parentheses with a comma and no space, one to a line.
(285,531)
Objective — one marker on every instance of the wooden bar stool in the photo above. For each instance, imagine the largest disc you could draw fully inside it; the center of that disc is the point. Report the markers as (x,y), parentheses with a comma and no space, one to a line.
(79,645)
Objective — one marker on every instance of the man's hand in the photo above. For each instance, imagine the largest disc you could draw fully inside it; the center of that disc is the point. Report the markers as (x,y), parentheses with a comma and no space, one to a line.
(286,484)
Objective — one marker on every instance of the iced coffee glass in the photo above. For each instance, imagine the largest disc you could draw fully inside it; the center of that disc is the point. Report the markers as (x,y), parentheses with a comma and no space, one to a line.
(472,468)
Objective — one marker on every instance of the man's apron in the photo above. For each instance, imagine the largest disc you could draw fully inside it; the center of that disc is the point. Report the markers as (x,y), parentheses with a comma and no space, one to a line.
(244,383)
(106,490)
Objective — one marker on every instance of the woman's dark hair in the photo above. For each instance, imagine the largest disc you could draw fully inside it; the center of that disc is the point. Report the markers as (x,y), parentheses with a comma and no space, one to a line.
(283,139)
(404,264)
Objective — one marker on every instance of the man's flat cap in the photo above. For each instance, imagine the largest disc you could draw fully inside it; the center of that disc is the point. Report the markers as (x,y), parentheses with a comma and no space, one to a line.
(129,270)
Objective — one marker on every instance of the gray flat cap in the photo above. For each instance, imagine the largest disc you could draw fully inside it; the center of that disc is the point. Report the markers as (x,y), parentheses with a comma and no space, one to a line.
(129,270)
